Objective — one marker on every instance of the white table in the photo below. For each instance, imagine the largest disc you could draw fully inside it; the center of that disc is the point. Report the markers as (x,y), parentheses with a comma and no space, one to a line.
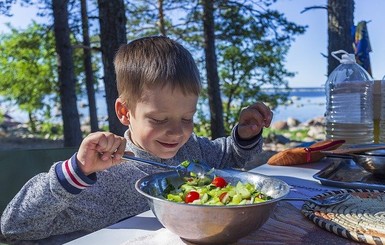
(299,177)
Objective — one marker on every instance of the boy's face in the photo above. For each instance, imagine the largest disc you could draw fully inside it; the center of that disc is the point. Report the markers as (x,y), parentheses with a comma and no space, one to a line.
(163,121)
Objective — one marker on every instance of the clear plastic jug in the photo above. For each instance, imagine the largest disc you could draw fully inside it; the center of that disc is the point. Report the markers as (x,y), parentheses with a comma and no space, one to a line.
(381,100)
(349,102)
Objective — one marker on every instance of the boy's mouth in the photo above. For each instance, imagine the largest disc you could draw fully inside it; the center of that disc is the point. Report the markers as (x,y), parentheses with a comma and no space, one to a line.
(168,145)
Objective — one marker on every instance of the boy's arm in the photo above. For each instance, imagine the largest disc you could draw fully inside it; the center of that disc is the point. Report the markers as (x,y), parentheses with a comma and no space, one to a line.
(72,178)
(246,144)
(44,208)
(40,207)
(55,203)
(239,152)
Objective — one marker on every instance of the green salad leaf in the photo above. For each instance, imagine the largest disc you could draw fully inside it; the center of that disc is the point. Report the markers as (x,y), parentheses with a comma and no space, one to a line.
(204,191)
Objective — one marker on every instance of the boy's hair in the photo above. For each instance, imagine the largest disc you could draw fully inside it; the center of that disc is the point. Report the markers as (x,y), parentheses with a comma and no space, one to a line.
(154,62)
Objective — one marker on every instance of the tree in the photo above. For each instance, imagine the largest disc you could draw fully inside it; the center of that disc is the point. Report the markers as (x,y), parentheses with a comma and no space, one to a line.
(252,42)
(27,65)
(340,22)
(149,17)
(242,51)
(67,81)
(245,47)
(89,74)
(112,21)
(5,6)
(41,115)
(213,87)
(161,20)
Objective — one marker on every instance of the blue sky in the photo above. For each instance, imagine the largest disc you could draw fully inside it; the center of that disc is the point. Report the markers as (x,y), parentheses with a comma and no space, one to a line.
(305,56)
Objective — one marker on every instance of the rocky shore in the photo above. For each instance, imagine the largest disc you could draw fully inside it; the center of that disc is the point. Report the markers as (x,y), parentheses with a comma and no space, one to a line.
(314,128)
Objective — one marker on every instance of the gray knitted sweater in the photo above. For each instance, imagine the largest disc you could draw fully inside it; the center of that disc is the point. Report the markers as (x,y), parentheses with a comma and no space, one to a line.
(45,206)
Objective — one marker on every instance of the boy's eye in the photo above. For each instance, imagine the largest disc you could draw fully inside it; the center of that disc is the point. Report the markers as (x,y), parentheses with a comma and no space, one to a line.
(187,120)
(158,121)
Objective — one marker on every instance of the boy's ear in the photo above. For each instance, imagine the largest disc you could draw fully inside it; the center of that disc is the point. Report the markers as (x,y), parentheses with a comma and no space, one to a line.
(121,111)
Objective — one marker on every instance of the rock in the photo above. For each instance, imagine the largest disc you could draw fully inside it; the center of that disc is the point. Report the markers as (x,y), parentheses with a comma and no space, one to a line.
(292,122)
(280,125)
(2,133)
(277,142)
(276,139)
(316,132)
(318,121)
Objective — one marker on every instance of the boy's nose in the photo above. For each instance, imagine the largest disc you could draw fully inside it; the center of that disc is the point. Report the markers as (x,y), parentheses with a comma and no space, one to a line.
(175,129)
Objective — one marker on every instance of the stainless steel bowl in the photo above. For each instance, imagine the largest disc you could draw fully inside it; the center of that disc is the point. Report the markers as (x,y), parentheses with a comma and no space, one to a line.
(211,224)
(371,161)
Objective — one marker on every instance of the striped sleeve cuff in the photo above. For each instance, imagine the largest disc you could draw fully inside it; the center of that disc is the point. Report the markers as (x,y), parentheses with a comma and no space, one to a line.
(72,178)
(246,144)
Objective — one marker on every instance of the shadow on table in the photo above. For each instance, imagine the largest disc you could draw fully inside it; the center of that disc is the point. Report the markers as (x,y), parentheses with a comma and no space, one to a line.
(139,222)
(18,166)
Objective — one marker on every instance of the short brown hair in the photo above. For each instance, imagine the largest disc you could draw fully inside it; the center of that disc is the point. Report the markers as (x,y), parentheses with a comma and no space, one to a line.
(152,62)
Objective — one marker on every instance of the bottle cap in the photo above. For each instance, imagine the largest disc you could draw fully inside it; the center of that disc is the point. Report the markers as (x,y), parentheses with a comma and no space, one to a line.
(346,58)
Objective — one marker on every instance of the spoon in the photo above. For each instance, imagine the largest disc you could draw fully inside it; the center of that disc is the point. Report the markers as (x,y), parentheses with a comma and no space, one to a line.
(183,169)
(323,201)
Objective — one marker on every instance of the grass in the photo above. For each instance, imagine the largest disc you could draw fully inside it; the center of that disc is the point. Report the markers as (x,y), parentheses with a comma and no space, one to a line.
(293,135)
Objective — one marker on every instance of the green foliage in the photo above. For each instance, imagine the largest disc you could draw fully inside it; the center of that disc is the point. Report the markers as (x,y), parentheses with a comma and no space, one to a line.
(27,69)
(1,116)
(293,135)
(251,40)
(50,130)
(143,18)
(252,44)
(28,74)
(5,6)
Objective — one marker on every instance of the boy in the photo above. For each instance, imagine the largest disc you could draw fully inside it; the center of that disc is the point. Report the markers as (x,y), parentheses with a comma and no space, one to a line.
(158,84)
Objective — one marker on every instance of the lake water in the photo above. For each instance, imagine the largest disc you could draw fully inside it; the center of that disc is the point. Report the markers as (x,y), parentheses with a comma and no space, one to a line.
(305,104)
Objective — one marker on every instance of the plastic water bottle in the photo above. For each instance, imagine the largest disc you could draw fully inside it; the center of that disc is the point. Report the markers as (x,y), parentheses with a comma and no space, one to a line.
(349,102)
(377,100)
(382,111)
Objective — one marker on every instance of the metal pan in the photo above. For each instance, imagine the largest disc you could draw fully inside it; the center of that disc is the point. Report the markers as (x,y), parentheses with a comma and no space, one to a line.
(371,161)
(370,157)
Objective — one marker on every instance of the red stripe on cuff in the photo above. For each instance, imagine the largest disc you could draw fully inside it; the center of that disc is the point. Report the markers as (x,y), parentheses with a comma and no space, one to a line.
(70,174)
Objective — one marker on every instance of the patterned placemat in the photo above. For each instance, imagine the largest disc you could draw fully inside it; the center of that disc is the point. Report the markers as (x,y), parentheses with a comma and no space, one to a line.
(361,218)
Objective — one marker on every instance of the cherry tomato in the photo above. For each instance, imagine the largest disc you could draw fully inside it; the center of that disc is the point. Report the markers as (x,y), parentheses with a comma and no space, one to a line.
(191,196)
(219,182)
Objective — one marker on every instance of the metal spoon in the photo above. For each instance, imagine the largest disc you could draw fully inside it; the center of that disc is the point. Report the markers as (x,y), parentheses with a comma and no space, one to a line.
(183,169)
(323,201)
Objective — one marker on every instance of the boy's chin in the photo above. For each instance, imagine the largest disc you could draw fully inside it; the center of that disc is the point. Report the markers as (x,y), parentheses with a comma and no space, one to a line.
(166,155)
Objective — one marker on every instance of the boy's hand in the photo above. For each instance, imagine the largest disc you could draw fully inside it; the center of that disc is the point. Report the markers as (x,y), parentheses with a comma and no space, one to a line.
(99,151)
(252,119)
